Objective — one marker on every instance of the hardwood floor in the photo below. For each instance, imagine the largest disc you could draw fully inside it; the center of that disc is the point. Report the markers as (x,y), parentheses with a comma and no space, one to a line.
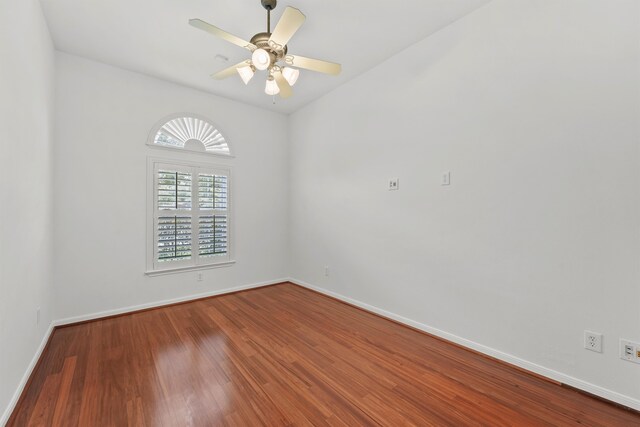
(279,356)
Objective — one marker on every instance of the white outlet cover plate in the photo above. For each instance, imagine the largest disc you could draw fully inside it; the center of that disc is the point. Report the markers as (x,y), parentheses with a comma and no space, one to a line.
(394,184)
(446,178)
(593,341)
(635,351)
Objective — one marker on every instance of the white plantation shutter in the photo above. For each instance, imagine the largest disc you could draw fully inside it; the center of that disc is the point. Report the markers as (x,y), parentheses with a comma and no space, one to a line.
(174,238)
(179,132)
(212,227)
(190,216)
(174,190)
(212,235)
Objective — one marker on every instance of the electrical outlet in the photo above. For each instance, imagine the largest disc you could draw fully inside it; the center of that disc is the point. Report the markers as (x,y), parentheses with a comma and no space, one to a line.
(326,271)
(199,277)
(593,341)
(630,351)
(394,184)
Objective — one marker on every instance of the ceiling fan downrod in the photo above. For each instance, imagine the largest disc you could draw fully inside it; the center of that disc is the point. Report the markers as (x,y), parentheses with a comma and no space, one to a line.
(269,5)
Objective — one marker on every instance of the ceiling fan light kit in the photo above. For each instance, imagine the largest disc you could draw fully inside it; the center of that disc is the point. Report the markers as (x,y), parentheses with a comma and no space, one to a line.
(291,74)
(261,59)
(246,73)
(272,87)
(269,52)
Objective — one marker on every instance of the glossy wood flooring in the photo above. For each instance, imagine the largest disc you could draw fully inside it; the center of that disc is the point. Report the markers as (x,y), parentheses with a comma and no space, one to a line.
(282,356)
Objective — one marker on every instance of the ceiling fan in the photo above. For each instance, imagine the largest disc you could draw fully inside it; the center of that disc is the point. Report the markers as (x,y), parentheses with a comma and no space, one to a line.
(269,52)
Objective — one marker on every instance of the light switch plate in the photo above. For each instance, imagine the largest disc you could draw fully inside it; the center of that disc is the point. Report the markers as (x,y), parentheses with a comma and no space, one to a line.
(446,178)
(394,184)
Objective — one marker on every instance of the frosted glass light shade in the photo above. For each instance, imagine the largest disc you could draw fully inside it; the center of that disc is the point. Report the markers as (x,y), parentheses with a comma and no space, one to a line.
(246,73)
(272,87)
(261,59)
(291,74)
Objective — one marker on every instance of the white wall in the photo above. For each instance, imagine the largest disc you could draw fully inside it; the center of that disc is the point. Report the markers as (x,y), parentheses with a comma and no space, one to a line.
(103,118)
(534,107)
(26,110)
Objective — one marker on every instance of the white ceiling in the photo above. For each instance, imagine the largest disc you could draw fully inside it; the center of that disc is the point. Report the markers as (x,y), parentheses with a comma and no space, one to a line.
(153,37)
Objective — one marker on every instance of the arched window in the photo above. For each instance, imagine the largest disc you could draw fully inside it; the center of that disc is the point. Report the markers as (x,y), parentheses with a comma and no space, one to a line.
(189,203)
(189,132)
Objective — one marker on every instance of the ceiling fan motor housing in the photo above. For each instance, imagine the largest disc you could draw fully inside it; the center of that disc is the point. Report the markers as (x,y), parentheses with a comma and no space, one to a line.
(261,40)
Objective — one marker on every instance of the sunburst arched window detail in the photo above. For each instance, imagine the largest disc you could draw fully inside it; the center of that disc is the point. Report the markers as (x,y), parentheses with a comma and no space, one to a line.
(191,133)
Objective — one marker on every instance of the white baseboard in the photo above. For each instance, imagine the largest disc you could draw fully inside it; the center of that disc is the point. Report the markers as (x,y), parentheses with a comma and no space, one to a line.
(132,308)
(25,377)
(92,316)
(524,364)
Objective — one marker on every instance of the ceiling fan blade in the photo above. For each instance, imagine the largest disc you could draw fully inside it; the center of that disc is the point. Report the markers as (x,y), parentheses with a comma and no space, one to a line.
(228,72)
(283,84)
(291,20)
(314,64)
(222,34)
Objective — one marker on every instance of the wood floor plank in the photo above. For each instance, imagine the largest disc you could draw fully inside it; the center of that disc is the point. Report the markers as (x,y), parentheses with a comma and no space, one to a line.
(68,370)
(284,356)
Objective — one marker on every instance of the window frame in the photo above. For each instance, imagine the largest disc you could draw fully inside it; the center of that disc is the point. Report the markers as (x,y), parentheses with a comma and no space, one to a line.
(154,267)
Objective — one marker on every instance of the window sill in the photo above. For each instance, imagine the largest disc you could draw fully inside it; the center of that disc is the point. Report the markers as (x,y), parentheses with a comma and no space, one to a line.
(153,273)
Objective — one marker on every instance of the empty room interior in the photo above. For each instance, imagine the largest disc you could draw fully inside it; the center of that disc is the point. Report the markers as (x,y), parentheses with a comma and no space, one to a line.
(327,213)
